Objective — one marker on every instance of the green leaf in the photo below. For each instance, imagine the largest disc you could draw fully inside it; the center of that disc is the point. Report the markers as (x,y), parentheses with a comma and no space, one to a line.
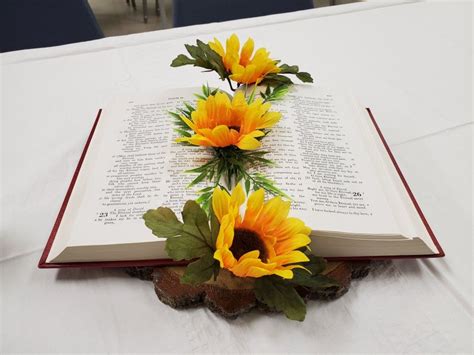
(304,278)
(280,91)
(304,77)
(316,264)
(201,270)
(205,205)
(201,168)
(277,93)
(194,51)
(189,107)
(280,295)
(186,241)
(203,198)
(178,121)
(205,90)
(185,113)
(268,185)
(207,189)
(214,60)
(186,247)
(313,279)
(247,186)
(195,219)
(175,115)
(182,132)
(163,222)
(181,60)
(198,179)
(204,57)
(276,80)
(289,69)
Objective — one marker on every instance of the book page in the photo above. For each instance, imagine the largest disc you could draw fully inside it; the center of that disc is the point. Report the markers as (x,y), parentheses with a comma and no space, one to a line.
(324,166)
(133,164)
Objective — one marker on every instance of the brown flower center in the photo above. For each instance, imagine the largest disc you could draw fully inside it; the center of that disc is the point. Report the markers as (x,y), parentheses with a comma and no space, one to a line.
(236,128)
(246,240)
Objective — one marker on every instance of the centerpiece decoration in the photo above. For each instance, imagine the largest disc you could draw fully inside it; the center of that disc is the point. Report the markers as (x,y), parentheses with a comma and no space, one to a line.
(228,228)
(233,126)
(262,243)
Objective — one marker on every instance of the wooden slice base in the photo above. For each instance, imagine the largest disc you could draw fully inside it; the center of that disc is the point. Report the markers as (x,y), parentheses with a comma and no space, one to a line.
(230,296)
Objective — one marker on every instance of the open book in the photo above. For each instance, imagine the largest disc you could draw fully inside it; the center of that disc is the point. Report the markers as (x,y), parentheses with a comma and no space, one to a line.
(331,159)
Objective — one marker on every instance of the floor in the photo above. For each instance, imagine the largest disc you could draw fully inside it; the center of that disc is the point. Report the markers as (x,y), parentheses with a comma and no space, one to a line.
(117,18)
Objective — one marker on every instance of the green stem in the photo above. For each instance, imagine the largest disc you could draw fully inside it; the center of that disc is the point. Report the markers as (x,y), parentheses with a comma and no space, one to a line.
(252,94)
(230,84)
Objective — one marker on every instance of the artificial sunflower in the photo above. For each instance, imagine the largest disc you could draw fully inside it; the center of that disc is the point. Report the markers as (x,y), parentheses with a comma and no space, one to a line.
(263,242)
(244,68)
(219,121)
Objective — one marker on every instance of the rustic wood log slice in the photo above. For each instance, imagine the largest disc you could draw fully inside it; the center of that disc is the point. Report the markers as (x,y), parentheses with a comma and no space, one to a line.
(231,296)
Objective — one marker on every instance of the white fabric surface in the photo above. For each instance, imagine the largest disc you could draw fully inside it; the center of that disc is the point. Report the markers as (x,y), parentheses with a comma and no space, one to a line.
(410,62)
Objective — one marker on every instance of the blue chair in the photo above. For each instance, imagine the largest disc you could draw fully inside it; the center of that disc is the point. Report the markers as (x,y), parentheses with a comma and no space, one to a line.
(43,23)
(194,12)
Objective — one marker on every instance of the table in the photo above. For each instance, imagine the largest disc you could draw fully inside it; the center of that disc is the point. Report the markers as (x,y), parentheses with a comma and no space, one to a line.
(410,62)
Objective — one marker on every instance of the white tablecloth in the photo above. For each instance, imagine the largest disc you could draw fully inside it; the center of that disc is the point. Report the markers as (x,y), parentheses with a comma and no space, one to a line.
(410,62)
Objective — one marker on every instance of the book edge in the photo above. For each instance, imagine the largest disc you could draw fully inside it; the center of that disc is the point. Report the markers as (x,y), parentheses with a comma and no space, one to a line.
(410,193)
(44,256)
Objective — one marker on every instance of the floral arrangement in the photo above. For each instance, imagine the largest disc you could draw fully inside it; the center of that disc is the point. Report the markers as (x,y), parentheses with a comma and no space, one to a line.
(231,226)
(233,64)
(232,128)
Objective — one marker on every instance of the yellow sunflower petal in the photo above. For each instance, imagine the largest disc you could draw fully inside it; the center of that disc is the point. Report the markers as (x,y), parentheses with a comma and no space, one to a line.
(254,254)
(256,134)
(296,242)
(239,99)
(255,271)
(216,46)
(221,136)
(226,232)
(188,122)
(225,257)
(238,72)
(196,140)
(246,52)
(220,203)
(237,198)
(242,267)
(232,51)
(273,213)
(269,120)
(248,142)
(233,43)
(254,205)
(284,273)
(248,75)
(292,257)
(290,227)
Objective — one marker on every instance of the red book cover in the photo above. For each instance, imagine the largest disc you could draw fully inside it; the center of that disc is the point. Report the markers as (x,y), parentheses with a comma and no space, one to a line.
(162,262)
